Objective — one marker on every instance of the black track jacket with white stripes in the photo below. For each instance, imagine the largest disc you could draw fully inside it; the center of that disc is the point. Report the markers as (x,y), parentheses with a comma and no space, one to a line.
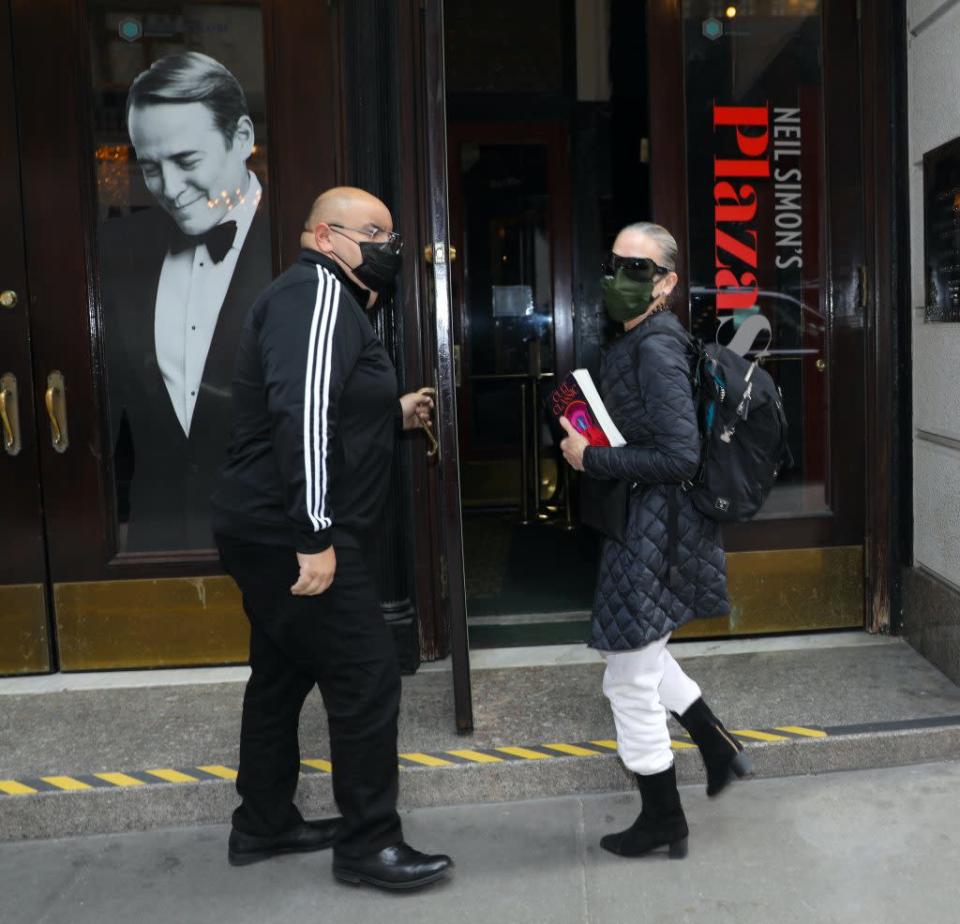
(316,416)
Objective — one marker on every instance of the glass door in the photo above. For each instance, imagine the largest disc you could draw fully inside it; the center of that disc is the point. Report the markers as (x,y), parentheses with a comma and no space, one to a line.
(510,206)
(770,209)
(157,204)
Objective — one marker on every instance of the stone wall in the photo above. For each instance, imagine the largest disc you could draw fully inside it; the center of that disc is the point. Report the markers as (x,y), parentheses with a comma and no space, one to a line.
(932,587)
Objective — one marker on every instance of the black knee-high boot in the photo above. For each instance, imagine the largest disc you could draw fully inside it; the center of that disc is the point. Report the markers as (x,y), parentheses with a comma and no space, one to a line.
(661,822)
(722,754)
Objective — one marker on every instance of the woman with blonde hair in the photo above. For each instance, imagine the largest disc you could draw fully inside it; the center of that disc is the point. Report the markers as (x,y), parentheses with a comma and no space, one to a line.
(671,567)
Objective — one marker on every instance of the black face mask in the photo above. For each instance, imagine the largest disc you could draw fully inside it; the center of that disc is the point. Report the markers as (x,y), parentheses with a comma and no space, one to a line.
(378,267)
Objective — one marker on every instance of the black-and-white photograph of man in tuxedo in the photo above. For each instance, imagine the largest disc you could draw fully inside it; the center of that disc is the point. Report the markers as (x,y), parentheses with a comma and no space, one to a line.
(177,280)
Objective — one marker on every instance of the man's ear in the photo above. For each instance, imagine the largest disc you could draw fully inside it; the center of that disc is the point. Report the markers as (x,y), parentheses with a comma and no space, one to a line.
(244,136)
(323,237)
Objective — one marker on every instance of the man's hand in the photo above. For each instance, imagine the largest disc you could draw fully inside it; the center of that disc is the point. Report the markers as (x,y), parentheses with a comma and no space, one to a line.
(416,408)
(316,573)
(574,445)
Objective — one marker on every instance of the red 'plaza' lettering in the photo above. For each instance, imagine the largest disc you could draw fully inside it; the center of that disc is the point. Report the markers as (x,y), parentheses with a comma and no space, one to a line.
(736,285)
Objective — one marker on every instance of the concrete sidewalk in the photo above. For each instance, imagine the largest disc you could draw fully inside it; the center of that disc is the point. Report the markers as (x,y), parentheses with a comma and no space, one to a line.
(166,754)
(867,847)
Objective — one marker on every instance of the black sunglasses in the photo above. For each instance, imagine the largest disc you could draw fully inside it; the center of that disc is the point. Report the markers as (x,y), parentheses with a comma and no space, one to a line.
(640,269)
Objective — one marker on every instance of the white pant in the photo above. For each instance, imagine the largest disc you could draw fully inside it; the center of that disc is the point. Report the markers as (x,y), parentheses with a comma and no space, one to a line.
(641,686)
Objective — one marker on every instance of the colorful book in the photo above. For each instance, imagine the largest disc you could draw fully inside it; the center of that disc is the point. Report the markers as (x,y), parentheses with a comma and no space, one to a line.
(577,399)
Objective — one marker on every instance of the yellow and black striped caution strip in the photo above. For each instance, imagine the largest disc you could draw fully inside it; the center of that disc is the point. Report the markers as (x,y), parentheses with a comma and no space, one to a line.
(466,756)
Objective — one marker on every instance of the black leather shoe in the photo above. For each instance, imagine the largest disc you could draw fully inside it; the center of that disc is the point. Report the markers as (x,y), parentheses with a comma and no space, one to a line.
(399,867)
(301,838)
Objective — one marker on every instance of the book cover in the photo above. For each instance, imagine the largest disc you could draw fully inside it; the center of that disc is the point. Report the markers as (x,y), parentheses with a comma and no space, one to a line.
(577,399)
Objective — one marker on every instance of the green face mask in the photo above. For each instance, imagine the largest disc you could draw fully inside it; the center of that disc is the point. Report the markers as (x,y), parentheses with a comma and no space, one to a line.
(625,298)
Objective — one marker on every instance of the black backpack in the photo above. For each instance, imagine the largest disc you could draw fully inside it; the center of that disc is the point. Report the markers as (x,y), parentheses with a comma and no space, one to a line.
(743,440)
(743,431)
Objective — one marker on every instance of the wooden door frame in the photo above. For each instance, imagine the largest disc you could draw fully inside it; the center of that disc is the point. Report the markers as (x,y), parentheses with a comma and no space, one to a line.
(668,161)
(420,341)
(24,619)
(886,166)
(438,341)
(553,134)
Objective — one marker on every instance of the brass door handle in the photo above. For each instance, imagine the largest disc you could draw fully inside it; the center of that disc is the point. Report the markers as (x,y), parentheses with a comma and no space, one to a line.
(441,253)
(10,414)
(55,400)
(8,299)
(434,445)
(425,425)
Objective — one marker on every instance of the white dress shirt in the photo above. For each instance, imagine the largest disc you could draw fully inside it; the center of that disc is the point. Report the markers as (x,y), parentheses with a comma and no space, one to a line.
(190,295)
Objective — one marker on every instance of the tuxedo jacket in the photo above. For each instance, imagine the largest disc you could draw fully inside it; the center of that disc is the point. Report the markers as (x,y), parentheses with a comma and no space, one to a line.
(164,477)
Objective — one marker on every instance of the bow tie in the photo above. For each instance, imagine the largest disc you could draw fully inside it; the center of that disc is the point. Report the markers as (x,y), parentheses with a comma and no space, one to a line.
(219,239)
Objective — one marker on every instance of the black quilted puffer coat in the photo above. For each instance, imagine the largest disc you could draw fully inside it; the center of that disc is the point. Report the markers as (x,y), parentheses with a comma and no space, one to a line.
(646,386)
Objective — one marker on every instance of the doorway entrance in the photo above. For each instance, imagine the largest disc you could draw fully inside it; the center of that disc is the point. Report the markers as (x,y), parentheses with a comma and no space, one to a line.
(527,561)
(739,131)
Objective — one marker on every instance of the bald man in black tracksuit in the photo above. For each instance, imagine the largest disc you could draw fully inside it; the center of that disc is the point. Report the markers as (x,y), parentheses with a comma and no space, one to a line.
(295,514)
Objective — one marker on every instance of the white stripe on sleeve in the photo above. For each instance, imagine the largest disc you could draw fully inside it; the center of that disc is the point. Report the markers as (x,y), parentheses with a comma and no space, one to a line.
(317,398)
(307,402)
